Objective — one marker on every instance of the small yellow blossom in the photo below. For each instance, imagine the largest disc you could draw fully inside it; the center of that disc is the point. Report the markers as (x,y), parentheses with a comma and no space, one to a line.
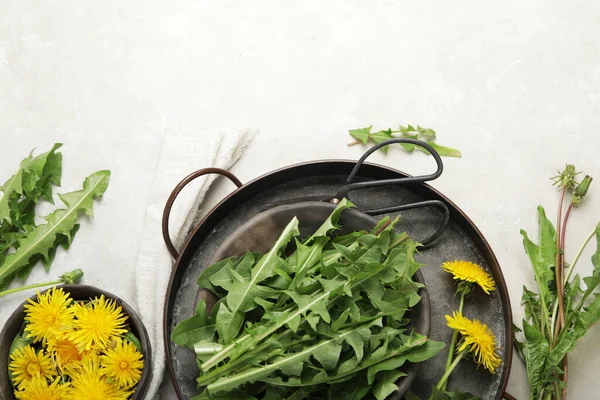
(477,338)
(470,272)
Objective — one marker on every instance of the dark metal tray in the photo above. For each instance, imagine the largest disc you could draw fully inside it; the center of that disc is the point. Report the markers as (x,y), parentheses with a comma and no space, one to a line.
(461,240)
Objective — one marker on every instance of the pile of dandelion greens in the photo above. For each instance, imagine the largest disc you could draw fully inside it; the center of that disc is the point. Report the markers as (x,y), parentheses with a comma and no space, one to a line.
(23,242)
(74,350)
(328,321)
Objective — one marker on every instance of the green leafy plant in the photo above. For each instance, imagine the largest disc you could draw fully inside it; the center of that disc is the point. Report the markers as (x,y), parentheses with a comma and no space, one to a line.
(364,135)
(561,311)
(327,321)
(23,242)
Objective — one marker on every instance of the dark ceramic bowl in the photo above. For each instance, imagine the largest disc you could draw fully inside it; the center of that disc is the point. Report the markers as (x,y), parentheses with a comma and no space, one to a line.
(13,325)
(260,232)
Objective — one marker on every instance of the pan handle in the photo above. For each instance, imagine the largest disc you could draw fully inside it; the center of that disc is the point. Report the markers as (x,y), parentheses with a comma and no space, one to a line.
(175,193)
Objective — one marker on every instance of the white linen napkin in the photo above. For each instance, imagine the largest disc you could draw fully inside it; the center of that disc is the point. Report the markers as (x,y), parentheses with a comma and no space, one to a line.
(181,154)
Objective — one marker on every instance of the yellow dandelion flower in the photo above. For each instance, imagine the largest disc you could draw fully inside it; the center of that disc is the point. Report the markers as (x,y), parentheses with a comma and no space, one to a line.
(38,389)
(87,382)
(49,314)
(123,364)
(97,323)
(25,364)
(477,338)
(64,351)
(470,272)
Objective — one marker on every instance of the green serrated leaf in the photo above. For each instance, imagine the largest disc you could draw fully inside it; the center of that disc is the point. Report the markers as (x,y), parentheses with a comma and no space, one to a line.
(444,151)
(23,213)
(12,189)
(382,136)
(65,240)
(223,277)
(331,223)
(266,305)
(536,352)
(361,134)
(43,172)
(409,147)
(587,317)
(24,272)
(543,257)
(565,343)
(424,134)
(533,309)
(339,322)
(280,393)
(129,336)
(204,278)
(583,320)
(596,255)
(19,341)
(42,238)
(390,364)
(386,384)
(198,328)
(33,181)
(572,290)
(61,240)
(307,257)
(328,355)
(228,324)
(304,302)
(243,266)
(355,389)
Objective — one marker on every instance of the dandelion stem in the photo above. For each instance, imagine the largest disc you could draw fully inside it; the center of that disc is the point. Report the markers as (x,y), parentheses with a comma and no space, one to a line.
(558,270)
(450,369)
(37,285)
(583,246)
(548,396)
(453,341)
(68,278)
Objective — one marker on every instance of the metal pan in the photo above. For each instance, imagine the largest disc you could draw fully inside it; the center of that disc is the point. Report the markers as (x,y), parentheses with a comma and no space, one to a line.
(388,192)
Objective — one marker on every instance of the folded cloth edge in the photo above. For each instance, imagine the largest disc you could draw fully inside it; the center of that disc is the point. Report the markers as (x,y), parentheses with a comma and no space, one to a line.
(154,263)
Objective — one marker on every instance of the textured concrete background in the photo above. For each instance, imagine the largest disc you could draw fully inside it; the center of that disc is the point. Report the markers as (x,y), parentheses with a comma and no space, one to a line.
(514,84)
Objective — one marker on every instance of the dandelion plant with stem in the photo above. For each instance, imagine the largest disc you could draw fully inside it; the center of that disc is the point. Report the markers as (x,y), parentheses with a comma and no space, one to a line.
(561,311)
(476,337)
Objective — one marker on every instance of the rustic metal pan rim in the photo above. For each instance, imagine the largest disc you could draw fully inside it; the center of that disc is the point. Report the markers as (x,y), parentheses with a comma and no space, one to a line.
(492,260)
